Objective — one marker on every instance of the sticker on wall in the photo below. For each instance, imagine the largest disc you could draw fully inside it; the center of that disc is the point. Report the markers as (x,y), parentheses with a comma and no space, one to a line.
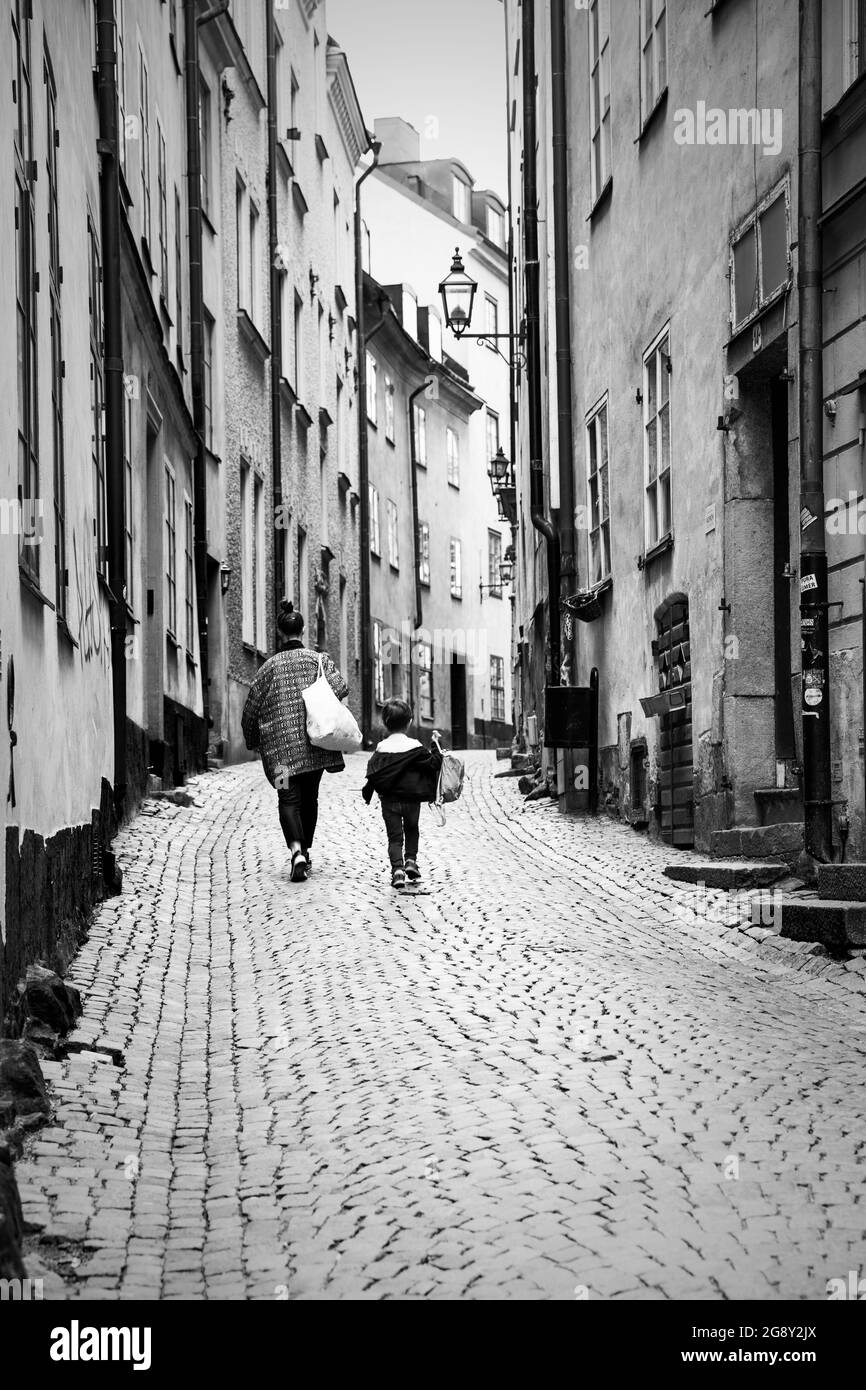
(808,581)
(806,518)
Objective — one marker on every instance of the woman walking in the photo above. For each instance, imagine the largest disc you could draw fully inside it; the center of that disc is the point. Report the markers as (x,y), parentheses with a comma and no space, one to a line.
(275,722)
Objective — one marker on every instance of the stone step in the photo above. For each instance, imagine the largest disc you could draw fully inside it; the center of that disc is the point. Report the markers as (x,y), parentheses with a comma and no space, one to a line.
(729,873)
(833,922)
(842,881)
(783,841)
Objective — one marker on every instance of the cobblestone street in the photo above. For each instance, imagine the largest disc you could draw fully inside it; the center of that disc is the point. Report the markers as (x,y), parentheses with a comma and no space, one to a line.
(547,1078)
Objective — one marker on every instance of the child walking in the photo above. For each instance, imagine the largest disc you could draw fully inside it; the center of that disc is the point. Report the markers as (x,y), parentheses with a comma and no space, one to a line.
(405,774)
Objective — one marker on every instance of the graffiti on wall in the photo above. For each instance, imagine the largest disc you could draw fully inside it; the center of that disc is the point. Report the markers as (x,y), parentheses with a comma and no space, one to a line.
(94,635)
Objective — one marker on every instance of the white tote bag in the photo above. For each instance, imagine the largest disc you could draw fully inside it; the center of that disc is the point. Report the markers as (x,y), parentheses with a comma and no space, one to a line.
(329,723)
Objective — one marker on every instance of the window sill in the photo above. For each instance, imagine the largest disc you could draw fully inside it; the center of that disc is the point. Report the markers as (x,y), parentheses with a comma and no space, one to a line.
(653,116)
(64,631)
(372,423)
(321,149)
(31,584)
(125,195)
(172,640)
(148,262)
(326,419)
(605,584)
(601,201)
(284,160)
(303,415)
(456,486)
(104,586)
(190,659)
(301,204)
(288,393)
(389,440)
(208,221)
(163,304)
(339,296)
(374,555)
(252,336)
(395,569)
(660,548)
(458,598)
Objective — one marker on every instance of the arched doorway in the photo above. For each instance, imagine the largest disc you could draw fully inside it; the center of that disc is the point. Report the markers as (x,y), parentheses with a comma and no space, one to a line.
(672,649)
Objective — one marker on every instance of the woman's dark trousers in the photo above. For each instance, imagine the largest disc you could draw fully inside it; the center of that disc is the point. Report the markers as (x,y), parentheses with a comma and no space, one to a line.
(299,808)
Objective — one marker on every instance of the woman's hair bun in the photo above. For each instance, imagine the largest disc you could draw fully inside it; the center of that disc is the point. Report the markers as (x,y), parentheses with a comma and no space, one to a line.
(286,606)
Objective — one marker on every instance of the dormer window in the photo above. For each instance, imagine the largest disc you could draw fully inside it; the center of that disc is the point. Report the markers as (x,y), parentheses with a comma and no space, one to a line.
(495,226)
(460,199)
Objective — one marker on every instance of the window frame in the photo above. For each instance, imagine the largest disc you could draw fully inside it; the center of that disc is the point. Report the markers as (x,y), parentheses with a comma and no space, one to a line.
(189,574)
(452,456)
(426,692)
(596,433)
(781,189)
(497,688)
(205,126)
(97,400)
(144,145)
(129,501)
(648,107)
(424,553)
(393,524)
(170,543)
(420,435)
(601,172)
(162,201)
(390,391)
(494,560)
(372,384)
(58,366)
(26,310)
(653,354)
(375,532)
(456,567)
(208,331)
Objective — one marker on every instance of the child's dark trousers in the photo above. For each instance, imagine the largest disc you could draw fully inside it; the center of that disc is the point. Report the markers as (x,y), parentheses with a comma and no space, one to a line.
(401,820)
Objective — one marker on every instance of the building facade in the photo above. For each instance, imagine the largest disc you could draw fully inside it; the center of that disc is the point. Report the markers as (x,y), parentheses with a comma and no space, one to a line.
(419,411)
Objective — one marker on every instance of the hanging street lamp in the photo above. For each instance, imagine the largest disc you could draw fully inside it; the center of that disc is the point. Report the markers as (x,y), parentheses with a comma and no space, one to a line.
(458,291)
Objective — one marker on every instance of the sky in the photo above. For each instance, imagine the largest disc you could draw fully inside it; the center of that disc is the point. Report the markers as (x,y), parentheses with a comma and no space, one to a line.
(440,64)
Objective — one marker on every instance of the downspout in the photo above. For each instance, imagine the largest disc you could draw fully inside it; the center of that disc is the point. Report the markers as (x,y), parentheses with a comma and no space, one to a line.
(109,213)
(276,318)
(513,378)
(363,459)
(562,269)
(192,24)
(413,455)
(815,685)
(539,519)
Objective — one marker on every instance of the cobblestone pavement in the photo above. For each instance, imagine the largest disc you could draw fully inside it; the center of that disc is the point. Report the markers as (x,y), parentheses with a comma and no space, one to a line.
(550,1078)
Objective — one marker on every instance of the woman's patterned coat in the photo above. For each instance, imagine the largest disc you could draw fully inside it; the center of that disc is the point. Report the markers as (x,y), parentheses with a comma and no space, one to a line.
(275,716)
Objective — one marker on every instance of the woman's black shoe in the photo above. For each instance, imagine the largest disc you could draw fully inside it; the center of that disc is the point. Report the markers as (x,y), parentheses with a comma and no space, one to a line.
(300,867)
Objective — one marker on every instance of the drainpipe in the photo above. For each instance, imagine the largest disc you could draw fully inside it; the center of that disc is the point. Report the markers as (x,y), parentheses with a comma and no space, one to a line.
(539,519)
(192,24)
(109,213)
(513,381)
(363,461)
(413,454)
(562,267)
(276,316)
(815,688)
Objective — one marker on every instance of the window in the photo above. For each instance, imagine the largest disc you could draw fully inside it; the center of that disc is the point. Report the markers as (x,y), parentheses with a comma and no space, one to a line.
(492,435)
(207,378)
(294,89)
(424,553)
(241,238)
(657,440)
(163,213)
(375,546)
(372,389)
(598,485)
(389,409)
(303,577)
(456,568)
(854,39)
(324,498)
(188,575)
(654,55)
(599,95)
(497,687)
(459,199)
(97,398)
(298,353)
(421,435)
(495,226)
(324,372)
(378,665)
(452,448)
(248,631)
(491,317)
(25,287)
(259,560)
(129,499)
(170,550)
(144,143)
(253,304)
(761,257)
(494,560)
(205,142)
(178,277)
(393,536)
(55,277)
(425,679)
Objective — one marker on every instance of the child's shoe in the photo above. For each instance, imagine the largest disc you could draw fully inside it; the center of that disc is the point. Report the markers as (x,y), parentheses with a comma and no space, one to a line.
(413,873)
(398,878)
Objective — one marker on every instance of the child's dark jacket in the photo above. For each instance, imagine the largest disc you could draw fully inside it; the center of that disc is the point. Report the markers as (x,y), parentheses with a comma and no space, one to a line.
(407,776)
